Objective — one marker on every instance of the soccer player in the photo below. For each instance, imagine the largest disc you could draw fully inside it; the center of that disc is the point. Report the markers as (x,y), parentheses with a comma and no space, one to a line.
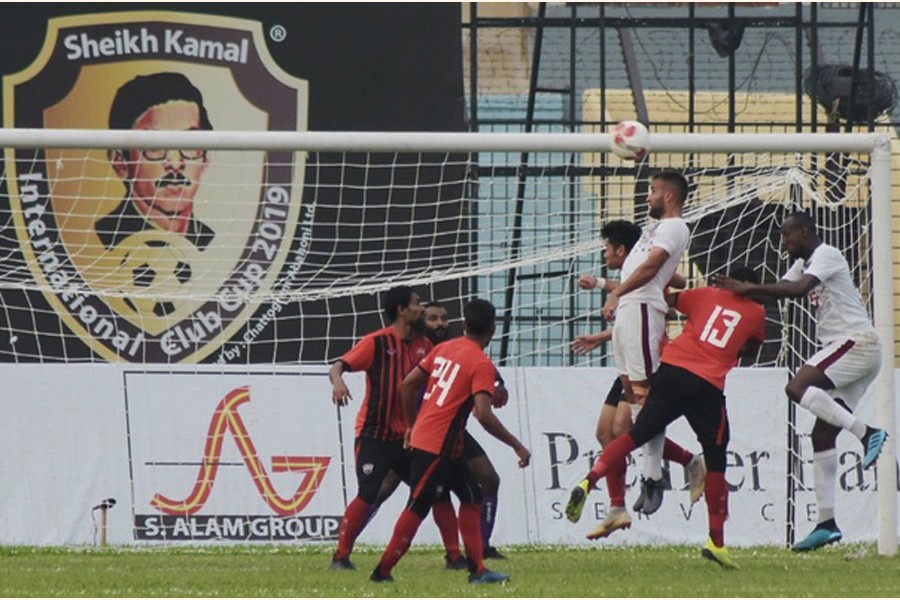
(690,382)
(639,307)
(386,356)
(460,379)
(616,414)
(832,382)
(437,328)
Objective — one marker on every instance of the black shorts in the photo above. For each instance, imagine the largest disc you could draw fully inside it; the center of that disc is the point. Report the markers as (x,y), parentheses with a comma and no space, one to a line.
(677,392)
(616,393)
(471,447)
(374,458)
(432,474)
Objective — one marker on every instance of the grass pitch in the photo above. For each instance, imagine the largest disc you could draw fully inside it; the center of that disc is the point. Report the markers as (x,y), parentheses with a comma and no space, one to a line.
(849,570)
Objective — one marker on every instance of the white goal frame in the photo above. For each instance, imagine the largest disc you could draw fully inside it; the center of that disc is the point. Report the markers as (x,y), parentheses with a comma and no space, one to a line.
(876,145)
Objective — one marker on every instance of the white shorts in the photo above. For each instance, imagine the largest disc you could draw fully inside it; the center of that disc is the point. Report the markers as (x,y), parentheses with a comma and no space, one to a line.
(637,337)
(851,364)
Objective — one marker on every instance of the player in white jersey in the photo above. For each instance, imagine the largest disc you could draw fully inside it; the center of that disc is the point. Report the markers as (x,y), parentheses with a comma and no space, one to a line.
(834,379)
(639,308)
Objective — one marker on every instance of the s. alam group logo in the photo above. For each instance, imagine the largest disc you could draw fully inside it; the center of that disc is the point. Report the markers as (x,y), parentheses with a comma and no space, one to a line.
(220,488)
(154,255)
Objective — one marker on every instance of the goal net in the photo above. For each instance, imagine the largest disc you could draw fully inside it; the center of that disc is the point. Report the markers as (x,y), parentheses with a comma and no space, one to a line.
(274,249)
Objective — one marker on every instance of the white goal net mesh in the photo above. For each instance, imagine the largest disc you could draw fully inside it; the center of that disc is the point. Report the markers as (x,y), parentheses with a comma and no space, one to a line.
(278,257)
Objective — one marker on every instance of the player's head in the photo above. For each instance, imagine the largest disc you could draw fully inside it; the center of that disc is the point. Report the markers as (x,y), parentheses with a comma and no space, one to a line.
(162,183)
(743,273)
(668,191)
(402,305)
(798,235)
(620,236)
(746,274)
(479,318)
(437,322)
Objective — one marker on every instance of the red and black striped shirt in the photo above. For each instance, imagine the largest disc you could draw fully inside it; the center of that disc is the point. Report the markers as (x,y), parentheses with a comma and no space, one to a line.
(386,359)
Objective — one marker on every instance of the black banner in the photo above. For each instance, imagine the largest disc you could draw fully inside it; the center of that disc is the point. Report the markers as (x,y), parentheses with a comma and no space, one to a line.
(317,67)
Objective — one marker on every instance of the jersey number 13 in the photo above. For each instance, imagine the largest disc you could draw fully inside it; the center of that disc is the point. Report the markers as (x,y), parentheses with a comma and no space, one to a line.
(720,326)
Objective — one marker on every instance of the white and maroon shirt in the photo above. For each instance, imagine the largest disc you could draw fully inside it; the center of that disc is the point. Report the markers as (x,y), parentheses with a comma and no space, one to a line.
(839,306)
(672,236)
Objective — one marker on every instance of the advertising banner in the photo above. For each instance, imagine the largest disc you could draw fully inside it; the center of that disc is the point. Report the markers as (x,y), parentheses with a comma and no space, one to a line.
(199,456)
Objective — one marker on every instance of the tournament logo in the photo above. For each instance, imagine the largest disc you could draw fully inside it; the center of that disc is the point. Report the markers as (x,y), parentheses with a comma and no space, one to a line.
(155,255)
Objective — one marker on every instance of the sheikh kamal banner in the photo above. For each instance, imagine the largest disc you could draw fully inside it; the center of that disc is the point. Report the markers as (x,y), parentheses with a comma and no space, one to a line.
(128,272)
(184,256)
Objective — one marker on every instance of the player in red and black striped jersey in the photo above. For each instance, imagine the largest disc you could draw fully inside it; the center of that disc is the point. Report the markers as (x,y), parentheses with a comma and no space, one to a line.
(690,382)
(386,356)
(460,380)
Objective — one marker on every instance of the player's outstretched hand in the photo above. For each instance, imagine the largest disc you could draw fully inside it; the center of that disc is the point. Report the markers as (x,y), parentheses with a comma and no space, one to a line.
(727,283)
(587,282)
(585,343)
(340,394)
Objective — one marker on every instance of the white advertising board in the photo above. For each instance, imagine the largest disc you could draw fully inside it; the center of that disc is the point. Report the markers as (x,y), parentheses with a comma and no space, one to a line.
(199,455)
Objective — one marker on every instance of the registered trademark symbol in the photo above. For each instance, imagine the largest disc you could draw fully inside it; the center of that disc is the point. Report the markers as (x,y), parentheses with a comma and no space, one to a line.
(277,33)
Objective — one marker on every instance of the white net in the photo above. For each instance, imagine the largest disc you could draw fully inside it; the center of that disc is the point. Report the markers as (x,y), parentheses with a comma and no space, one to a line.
(272,256)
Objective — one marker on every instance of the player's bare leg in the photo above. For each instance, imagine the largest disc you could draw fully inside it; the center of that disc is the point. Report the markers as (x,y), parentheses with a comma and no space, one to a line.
(809,388)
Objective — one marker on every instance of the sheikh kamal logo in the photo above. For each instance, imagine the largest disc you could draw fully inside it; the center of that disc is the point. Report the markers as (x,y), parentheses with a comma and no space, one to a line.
(155,255)
(220,487)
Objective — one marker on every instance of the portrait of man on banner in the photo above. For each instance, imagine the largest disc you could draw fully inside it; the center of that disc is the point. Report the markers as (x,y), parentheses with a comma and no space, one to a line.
(160,184)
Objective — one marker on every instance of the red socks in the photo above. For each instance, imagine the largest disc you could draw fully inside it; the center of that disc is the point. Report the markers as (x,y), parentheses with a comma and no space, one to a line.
(675,453)
(612,454)
(470,528)
(716,491)
(404,532)
(355,518)
(445,519)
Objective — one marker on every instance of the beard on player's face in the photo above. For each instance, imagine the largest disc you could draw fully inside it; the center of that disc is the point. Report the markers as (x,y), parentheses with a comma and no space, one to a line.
(438,334)
(419,325)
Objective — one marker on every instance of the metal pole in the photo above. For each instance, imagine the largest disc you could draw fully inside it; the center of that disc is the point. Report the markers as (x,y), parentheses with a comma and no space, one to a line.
(509,295)
(883,292)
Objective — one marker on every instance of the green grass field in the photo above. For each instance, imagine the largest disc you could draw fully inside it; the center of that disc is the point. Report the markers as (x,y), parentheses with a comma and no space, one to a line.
(851,570)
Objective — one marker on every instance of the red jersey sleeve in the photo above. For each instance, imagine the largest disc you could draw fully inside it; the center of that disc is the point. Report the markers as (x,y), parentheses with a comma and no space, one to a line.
(427,363)
(686,300)
(483,378)
(360,356)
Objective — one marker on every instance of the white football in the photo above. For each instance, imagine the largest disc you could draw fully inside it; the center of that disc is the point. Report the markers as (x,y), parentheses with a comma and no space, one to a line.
(631,140)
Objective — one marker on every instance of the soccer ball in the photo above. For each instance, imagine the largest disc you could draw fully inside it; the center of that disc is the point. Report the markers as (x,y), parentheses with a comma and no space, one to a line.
(155,275)
(631,140)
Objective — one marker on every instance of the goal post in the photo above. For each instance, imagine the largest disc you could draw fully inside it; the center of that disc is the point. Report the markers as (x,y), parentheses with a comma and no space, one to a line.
(306,229)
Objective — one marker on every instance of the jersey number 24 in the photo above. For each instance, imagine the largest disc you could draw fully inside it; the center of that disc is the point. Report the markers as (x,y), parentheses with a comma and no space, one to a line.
(444,372)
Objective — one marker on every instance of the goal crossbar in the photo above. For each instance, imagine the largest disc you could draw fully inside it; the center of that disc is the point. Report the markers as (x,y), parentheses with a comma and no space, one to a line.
(368,141)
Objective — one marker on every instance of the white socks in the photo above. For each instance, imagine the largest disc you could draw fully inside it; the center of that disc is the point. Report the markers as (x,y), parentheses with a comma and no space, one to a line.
(818,402)
(825,473)
(653,455)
